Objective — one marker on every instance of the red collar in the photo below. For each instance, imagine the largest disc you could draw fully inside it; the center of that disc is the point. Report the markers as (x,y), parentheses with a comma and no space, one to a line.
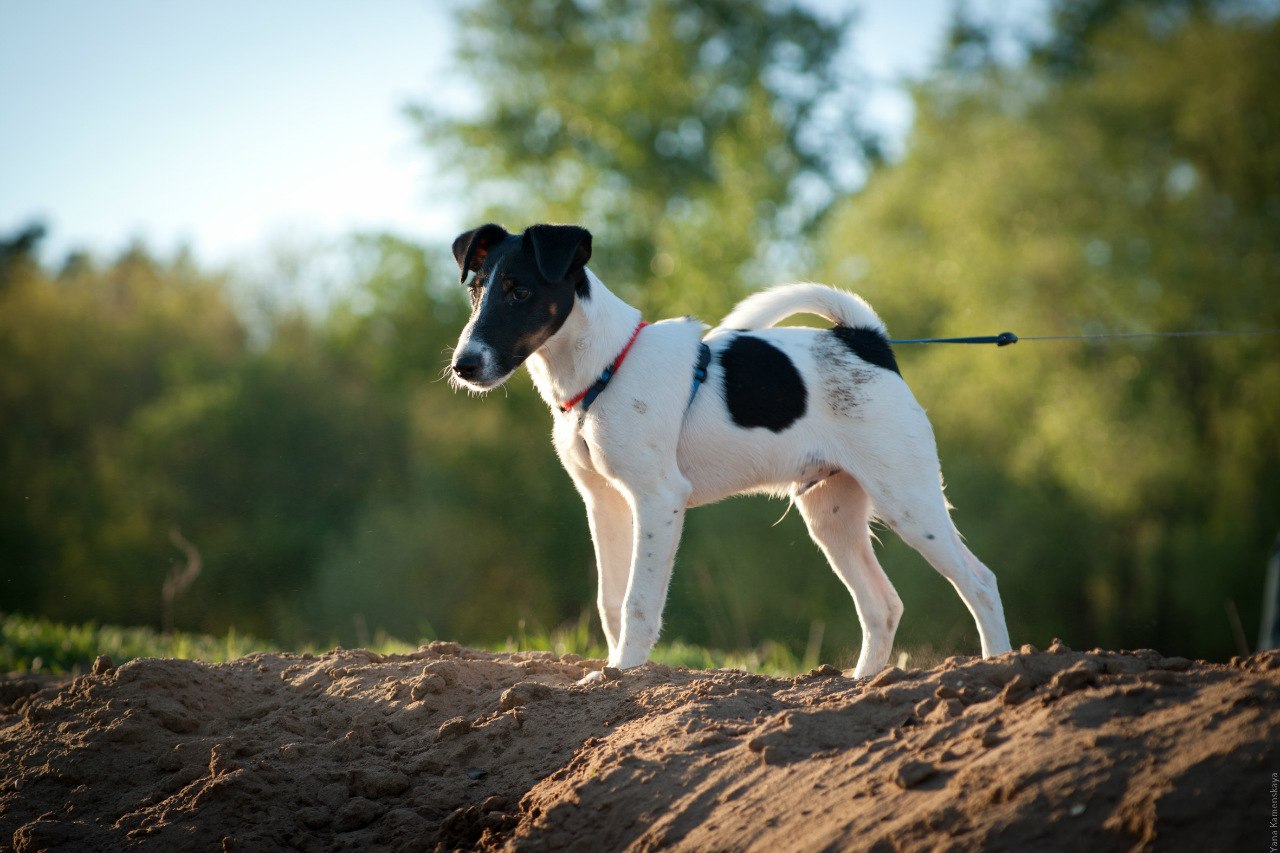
(588,395)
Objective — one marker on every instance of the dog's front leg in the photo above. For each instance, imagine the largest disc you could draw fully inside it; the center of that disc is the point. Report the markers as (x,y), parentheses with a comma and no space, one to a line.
(609,517)
(659,518)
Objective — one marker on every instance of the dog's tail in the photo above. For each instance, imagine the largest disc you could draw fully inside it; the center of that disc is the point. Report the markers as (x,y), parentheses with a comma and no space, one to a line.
(769,307)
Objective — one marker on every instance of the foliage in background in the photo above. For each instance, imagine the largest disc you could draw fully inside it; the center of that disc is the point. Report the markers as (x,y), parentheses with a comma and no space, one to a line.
(701,140)
(1133,481)
(1125,178)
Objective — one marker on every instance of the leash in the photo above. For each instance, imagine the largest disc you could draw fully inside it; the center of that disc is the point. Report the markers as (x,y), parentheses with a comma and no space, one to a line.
(1005,338)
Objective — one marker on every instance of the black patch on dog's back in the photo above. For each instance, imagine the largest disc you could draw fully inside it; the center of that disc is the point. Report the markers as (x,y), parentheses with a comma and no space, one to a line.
(869,345)
(762,388)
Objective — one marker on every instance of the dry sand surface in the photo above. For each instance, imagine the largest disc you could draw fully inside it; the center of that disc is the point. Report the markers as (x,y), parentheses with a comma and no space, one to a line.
(454,748)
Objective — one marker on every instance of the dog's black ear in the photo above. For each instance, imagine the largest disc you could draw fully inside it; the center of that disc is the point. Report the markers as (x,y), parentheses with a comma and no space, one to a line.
(558,249)
(470,249)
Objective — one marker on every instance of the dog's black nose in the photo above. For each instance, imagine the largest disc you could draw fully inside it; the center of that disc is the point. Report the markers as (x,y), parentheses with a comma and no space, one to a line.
(467,365)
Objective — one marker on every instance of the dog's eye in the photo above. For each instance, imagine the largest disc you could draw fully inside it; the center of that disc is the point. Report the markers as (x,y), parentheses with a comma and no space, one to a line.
(520,294)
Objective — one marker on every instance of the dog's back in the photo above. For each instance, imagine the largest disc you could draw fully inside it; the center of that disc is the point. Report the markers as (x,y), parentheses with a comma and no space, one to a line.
(790,405)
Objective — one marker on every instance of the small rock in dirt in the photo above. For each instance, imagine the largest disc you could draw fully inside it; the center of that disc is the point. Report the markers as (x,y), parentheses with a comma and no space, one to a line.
(476,773)
(611,673)
(1081,675)
(885,677)
(1057,647)
(445,669)
(912,773)
(494,804)
(426,685)
(775,755)
(825,671)
(102,665)
(522,693)
(1175,664)
(452,728)
(1016,691)
(499,821)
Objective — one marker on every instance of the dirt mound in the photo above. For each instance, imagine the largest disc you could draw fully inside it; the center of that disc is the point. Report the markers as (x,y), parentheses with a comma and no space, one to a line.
(454,748)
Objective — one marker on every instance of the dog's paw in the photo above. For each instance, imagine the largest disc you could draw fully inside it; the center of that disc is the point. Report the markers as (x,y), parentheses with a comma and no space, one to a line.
(600,676)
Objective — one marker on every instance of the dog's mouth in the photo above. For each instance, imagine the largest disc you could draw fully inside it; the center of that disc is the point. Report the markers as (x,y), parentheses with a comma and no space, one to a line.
(475,385)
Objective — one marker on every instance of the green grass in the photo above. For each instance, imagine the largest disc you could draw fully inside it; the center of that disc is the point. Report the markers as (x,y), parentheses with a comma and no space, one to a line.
(33,644)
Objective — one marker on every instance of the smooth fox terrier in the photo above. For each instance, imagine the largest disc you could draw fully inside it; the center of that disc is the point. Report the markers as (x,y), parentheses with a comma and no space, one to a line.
(820,415)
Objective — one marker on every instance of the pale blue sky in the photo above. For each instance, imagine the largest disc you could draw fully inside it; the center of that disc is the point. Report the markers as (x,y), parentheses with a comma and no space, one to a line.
(226,125)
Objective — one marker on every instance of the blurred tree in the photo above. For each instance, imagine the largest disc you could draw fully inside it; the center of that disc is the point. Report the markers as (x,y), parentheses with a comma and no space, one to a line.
(262,469)
(132,404)
(79,353)
(702,141)
(1139,192)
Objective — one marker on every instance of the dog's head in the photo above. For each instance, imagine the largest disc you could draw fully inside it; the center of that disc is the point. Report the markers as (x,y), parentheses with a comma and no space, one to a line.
(522,291)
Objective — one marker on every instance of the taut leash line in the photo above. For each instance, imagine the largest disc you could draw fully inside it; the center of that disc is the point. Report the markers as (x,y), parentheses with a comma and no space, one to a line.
(1005,338)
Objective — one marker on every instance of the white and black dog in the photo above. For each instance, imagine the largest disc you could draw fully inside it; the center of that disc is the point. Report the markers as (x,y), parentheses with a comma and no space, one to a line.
(820,415)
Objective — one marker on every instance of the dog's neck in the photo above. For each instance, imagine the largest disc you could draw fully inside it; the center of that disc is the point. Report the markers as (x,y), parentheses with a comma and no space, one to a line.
(596,330)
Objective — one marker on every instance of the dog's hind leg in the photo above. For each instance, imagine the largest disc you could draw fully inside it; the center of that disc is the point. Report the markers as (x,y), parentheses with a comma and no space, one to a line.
(917,511)
(837,511)
(609,517)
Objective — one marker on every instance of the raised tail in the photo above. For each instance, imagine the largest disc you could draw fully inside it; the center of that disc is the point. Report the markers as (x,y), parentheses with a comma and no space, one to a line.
(769,307)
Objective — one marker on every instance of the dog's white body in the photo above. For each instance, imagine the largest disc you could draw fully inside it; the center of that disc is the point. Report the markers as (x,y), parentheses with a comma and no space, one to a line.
(643,454)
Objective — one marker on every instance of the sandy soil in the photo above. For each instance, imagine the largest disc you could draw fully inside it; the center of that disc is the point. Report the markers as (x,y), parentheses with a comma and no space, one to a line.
(454,748)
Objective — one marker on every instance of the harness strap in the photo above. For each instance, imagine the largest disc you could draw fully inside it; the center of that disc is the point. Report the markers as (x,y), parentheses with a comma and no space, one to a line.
(588,395)
(700,371)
